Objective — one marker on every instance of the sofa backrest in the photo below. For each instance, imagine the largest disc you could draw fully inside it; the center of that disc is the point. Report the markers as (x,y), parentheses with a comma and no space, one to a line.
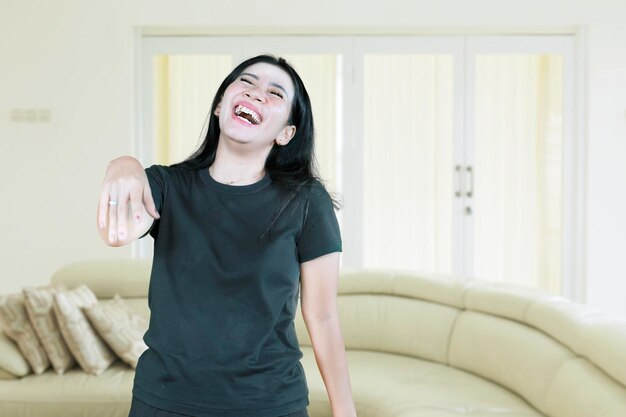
(107,277)
(130,278)
(564,358)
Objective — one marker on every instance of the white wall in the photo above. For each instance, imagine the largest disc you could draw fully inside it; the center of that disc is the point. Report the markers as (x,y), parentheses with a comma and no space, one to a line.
(76,59)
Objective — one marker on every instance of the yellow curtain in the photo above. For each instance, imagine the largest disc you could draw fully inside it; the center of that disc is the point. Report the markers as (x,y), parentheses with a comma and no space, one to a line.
(319,72)
(184,86)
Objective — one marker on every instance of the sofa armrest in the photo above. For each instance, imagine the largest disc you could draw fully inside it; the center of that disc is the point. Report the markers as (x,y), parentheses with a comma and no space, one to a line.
(4,375)
(12,362)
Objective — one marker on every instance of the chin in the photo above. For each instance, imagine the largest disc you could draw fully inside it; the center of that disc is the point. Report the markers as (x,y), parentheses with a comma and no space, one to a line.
(237,136)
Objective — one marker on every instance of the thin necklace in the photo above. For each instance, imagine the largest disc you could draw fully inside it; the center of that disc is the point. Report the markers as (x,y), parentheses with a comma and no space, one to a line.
(234,181)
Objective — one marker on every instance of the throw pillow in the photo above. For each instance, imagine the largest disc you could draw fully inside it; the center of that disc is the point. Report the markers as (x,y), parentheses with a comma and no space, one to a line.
(121,327)
(92,354)
(38,302)
(16,325)
(11,358)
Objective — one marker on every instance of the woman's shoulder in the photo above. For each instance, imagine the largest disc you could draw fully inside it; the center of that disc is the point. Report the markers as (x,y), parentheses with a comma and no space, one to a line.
(317,188)
(307,189)
(312,184)
(318,194)
(324,196)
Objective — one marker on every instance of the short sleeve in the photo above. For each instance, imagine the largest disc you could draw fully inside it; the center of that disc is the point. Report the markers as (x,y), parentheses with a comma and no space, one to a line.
(157,179)
(320,234)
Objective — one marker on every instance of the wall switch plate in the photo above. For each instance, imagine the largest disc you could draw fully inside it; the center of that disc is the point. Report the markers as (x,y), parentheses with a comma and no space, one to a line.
(17,115)
(43,115)
(29,115)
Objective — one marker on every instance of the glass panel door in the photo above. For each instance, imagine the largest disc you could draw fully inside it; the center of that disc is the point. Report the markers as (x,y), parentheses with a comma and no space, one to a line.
(515,163)
(452,154)
(407,142)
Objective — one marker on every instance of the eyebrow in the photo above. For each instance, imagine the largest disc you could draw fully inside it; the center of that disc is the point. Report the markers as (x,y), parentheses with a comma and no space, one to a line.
(272,84)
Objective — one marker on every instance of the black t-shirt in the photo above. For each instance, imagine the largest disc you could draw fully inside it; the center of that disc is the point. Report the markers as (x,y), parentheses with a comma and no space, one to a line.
(221,340)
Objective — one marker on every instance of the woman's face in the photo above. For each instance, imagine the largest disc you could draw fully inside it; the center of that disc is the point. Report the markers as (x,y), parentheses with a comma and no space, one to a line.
(256,106)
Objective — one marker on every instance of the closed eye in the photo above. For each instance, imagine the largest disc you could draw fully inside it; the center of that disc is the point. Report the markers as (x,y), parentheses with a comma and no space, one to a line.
(245,80)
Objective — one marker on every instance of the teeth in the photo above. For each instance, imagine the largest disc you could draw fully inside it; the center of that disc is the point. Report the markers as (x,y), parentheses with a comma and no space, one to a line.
(241,109)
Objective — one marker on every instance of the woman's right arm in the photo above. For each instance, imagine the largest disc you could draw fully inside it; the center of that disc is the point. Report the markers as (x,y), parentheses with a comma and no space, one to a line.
(127,183)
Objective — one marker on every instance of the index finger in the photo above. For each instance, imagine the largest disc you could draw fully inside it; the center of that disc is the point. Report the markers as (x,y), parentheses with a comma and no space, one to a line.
(149,202)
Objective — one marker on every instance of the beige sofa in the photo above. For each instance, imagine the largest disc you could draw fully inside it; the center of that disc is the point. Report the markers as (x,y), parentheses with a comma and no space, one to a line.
(418,345)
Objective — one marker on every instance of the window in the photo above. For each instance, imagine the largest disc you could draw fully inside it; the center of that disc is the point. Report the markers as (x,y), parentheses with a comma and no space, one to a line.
(453,155)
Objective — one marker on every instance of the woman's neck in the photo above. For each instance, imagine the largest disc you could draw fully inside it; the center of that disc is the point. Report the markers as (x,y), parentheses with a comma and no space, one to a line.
(230,167)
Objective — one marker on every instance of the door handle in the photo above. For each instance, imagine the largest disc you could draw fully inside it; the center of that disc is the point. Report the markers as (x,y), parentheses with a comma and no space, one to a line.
(471,181)
(458,180)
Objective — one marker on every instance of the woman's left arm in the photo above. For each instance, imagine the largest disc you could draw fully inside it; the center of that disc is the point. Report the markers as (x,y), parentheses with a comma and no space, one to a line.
(320,278)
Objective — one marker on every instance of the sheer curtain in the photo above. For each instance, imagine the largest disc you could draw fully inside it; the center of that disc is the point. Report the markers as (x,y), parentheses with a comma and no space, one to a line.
(408,150)
(408,126)
(518,160)
(407,142)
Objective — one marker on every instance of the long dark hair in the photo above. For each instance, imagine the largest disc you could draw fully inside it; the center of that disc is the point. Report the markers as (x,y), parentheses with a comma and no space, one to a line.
(292,166)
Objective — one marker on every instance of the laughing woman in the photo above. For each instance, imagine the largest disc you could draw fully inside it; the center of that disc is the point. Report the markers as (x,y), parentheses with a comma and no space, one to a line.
(240,229)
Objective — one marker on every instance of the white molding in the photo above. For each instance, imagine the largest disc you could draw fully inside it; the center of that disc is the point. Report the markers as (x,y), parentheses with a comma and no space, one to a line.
(577,290)
(320,31)
(139,248)
(467,159)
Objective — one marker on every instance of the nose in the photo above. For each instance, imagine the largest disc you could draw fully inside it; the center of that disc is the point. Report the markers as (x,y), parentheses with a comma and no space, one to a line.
(254,94)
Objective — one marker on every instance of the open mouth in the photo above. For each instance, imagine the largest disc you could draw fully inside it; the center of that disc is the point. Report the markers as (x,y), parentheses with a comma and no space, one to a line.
(246,114)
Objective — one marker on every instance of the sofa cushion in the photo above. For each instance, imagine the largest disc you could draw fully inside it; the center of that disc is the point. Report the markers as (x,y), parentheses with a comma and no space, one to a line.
(441,289)
(92,354)
(592,333)
(384,385)
(73,394)
(393,324)
(390,385)
(508,352)
(590,391)
(16,324)
(38,302)
(11,359)
(120,326)
(502,299)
